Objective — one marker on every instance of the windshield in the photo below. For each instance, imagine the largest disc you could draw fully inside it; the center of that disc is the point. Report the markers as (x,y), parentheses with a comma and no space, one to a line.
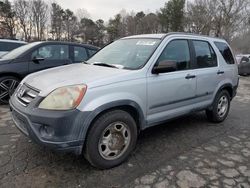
(18,51)
(126,53)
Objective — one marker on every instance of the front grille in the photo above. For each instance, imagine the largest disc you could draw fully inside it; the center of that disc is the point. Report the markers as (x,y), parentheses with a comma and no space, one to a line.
(26,94)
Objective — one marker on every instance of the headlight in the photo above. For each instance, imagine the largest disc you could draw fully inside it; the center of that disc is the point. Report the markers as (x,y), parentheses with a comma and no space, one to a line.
(64,98)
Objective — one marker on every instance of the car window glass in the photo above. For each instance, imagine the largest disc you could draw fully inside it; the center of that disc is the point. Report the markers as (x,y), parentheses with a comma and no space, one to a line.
(20,51)
(127,53)
(245,60)
(52,52)
(225,52)
(177,51)
(205,55)
(91,52)
(8,46)
(80,54)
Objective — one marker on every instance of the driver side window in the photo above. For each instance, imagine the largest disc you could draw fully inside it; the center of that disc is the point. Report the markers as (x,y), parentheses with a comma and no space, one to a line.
(176,52)
(52,52)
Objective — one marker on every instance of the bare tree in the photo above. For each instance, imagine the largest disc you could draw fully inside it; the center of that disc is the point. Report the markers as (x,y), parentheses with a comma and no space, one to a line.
(200,17)
(7,19)
(151,23)
(57,14)
(82,13)
(70,24)
(23,13)
(40,15)
(221,18)
(233,14)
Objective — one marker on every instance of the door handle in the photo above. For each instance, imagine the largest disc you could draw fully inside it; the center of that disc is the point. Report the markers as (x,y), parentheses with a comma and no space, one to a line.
(190,76)
(220,72)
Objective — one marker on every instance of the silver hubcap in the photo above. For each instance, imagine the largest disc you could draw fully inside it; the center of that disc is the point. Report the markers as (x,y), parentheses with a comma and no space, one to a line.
(114,141)
(7,88)
(222,106)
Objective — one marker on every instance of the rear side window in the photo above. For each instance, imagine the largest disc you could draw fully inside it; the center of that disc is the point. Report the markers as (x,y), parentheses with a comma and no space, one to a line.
(80,54)
(8,46)
(91,52)
(205,55)
(225,52)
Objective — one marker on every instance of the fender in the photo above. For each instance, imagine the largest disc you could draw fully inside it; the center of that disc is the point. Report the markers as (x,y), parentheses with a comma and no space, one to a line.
(224,86)
(114,104)
(221,87)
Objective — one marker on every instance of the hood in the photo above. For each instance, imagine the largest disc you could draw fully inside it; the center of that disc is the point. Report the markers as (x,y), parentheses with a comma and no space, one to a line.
(2,53)
(48,80)
(4,61)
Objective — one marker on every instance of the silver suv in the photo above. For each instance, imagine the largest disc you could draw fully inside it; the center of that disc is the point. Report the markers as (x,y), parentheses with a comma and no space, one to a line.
(99,107)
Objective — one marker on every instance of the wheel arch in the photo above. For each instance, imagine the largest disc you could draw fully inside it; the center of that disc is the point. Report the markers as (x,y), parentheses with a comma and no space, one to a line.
(11,74)
(228,87)
(127,105)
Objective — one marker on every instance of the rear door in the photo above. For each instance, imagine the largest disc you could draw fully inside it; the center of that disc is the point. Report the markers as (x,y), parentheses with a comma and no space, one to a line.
(80,54)
(207,71)
(227,62)
(49,56)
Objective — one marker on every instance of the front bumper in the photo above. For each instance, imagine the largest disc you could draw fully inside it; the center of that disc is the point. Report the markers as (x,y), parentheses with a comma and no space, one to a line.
(58,130)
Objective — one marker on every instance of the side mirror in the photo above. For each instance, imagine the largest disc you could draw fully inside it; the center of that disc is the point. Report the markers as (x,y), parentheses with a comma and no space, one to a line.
(164,67)
(37,59)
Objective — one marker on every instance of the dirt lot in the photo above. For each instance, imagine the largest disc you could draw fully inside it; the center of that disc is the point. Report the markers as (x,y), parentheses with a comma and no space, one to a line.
(188,152)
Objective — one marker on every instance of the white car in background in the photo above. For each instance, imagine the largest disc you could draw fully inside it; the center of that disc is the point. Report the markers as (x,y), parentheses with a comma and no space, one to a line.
(7,45)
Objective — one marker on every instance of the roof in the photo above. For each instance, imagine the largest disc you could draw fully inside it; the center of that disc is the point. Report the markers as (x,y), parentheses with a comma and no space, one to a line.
(68,43)
(13,41)
(156,36)
(163,35)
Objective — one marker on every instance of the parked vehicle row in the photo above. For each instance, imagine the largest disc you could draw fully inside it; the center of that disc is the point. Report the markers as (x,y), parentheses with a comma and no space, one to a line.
(243,64)
(38,56)
(98,107)
(9,45)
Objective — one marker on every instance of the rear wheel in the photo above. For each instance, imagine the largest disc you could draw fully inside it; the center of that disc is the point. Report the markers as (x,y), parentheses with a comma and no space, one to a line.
(220,107)
(111,139)
(8,84)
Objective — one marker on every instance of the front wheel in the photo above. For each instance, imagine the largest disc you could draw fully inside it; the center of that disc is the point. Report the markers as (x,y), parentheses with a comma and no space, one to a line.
(8,84)
(111,139)
(220,108)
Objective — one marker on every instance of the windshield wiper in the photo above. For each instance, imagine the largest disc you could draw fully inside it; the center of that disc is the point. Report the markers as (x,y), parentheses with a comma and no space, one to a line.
(106,65)
(85,62)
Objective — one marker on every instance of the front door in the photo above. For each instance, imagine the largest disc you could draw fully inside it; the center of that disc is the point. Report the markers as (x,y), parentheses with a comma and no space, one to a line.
(171,94)
(49,56)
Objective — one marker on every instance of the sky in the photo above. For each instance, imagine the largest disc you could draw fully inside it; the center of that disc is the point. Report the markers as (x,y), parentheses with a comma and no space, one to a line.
(106,9)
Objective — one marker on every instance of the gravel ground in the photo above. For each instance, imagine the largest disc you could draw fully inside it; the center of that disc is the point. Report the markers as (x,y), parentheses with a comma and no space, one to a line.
(188,152)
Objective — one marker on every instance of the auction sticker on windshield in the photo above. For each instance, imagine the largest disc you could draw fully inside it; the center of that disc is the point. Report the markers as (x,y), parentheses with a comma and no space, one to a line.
(146,43)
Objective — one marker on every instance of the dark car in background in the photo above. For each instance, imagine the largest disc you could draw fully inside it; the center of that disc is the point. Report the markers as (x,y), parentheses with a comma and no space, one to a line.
(9,45)
(36,56)
(244,65)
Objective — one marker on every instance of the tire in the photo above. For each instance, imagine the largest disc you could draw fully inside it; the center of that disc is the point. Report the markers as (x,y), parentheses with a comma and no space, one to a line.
(8,84)
(220,107)
(103,130)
